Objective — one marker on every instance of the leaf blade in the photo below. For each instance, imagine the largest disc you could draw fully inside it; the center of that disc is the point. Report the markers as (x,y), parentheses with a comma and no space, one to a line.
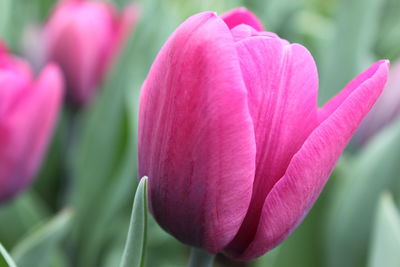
(36,248)
(137,233)
(373,171)
(386,237)
(7,257)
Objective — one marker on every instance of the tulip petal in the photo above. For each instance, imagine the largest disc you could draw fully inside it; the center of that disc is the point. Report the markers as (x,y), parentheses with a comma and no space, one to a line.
(244,31)
(196,137)
(11,85)
(336,101)
(385,111)
(292,197)
(241,15)
(25,131)
(282,83)
(83,32)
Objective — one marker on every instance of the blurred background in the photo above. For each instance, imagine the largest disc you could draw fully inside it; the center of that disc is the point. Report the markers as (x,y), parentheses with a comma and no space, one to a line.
(77,211)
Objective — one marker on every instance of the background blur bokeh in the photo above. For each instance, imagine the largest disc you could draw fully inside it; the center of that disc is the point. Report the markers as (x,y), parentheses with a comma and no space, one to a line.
(77,211)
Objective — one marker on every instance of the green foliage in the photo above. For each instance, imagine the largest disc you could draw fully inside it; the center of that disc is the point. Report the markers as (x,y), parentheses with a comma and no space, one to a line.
(19,216)
(348,225)
(5,8)
(386,237)
(104,168)
(350,50)
(135,246)
(163,250)
(95,170)
(38,247)
(6,260)
(388,38)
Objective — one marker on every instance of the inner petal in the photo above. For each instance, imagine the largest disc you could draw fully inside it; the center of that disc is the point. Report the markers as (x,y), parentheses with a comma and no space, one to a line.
(244,31)
(282,84)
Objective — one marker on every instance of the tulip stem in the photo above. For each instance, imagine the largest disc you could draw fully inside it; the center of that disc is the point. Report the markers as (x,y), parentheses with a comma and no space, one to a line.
(200,258)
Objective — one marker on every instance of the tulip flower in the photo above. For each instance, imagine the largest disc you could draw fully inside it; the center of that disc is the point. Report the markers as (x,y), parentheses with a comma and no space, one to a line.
(84,37)
(230,135)
(28,111)
(386,110)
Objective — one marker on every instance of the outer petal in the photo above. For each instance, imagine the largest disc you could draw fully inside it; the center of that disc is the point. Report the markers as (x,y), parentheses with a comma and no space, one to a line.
(13,80)
(241,15)
(244,31)
(10,86)
(386,109)
(336,101)
(294,194)
(25,131)
(79,36)
(196,137)
(282,83)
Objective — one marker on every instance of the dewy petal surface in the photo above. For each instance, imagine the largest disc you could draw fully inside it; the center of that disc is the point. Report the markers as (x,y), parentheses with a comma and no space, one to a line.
(196,136)
(294,194)
(242,15)
(282,83)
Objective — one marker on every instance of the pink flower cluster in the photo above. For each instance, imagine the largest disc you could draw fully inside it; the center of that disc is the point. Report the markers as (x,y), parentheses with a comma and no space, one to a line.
(82,38)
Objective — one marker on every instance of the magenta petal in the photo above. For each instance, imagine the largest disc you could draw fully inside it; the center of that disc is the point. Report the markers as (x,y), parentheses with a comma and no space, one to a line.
(79,37)
(385,111)
(196,136)
(294,194)
(241,15)
(336,101)
(25,131)
(282,83)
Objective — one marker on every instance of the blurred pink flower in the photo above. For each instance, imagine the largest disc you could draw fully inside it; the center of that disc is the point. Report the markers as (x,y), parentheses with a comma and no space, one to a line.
(230,135)
(28,111)
(386,109)
(84,37)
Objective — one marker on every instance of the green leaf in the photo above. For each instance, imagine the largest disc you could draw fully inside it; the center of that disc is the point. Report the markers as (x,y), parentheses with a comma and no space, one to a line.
(17,14)
(135,246)
(8,260)
(277,14)
(386,237)
(5,13)
(350,49)
(388,39)
(105,161)
(158,254)
(20,215)
(37,248)
(374,170)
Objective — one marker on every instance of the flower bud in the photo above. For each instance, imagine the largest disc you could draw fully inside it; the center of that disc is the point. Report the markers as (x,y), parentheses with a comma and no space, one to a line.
(231,138)
(84,37)
(28,112)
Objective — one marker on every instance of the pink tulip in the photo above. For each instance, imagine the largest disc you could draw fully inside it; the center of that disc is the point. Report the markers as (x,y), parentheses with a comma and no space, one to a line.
(230,135)
(28,111)
(84,37)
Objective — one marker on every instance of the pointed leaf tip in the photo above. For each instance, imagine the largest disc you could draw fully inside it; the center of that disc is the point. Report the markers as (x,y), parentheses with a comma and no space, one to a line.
(135,246)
